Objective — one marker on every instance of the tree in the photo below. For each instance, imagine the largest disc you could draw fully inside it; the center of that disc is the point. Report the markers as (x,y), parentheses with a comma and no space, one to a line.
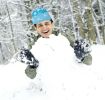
(90,25)
(14,28)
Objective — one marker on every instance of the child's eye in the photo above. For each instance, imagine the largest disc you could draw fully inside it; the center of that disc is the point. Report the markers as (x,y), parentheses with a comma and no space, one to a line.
(46,23)
(40,25)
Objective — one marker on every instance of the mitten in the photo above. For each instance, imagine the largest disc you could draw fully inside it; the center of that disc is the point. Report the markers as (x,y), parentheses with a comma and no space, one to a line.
(81,49)
(25,56)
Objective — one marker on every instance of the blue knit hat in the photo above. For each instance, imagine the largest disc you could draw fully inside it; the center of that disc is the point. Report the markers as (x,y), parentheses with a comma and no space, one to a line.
(40,14)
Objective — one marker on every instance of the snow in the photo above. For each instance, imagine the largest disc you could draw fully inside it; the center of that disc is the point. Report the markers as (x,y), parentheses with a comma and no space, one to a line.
(81,82)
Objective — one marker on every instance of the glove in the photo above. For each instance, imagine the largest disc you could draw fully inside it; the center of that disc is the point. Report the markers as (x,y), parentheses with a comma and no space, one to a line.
(25,56)
(30,71)
(81,49)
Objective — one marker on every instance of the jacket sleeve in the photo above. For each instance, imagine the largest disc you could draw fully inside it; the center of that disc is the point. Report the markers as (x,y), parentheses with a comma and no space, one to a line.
(65,40)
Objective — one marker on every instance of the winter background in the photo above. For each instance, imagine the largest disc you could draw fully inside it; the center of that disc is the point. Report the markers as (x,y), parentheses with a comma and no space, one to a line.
(74,19)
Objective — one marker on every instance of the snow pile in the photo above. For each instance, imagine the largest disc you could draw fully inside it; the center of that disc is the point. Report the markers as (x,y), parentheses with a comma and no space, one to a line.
(77,81)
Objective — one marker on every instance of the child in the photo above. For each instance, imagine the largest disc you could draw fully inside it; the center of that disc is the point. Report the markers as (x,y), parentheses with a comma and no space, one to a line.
(48,47)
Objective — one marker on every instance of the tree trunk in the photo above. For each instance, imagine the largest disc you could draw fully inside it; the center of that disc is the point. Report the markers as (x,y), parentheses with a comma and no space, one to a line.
(12,34)
(77,15)
(90,26)
(102,19)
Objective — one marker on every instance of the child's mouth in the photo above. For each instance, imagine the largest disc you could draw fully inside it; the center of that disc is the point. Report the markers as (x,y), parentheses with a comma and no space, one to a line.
(45,32)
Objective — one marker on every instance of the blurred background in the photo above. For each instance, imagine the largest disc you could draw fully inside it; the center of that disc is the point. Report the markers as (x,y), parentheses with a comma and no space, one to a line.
(72,18)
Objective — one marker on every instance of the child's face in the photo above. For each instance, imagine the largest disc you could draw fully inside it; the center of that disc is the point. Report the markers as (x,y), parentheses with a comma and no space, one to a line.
(44,28)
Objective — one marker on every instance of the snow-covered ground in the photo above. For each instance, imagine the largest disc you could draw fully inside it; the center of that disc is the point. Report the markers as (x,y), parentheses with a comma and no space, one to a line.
(81,83)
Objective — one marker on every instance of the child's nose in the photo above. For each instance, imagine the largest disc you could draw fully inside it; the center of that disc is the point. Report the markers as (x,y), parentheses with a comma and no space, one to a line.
(44,27)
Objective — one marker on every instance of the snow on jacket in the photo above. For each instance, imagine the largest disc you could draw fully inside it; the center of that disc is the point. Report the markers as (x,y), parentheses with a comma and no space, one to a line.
(52,46)
(54,55)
